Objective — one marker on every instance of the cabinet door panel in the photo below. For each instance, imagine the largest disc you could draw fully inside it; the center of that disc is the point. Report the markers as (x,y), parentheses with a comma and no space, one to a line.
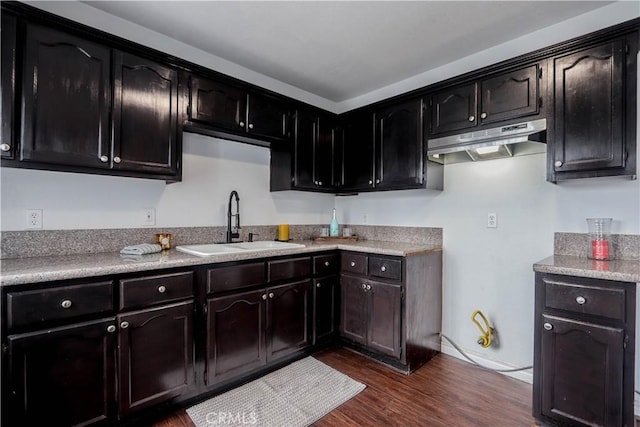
(454,109)
(305,145)
(288,319)
(354,309)
(267,117)
(384,318)
(399,145)
(509,95)
(217,104)
(7,85)
(65,375)
(65,99)
(325,300)
(145,116)
(235,335)
(358,158)
(582,366)
(589,111)
(155,355)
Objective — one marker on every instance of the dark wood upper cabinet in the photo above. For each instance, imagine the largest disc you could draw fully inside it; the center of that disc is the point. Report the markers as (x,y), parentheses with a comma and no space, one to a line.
(594,117)
(145,116)
(399,146)
(454,109)
(216,104)
(358,151)
(66,89)
(155,355)
(8,85)
(64,376)
(267,117)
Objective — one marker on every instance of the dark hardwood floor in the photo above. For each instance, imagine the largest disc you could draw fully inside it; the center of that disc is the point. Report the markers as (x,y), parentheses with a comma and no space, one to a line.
(444,392)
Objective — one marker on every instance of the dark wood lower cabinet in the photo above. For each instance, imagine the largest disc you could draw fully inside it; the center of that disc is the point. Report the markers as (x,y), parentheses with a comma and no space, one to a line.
(63,376)
(325,308)
(354,318)
(288,319)
(155,355)
(385,305)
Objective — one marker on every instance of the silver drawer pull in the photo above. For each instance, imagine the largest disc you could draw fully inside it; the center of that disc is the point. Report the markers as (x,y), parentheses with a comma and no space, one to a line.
(383,268)
(111,328)
(327,263)
(5,147)
(581,300)
(352,263)
(66,303)
(548,326)
(124,325)
(162,289)
(558,164)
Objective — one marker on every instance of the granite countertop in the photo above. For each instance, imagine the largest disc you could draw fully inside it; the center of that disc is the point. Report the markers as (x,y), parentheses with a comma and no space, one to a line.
(621,270)
(18,271)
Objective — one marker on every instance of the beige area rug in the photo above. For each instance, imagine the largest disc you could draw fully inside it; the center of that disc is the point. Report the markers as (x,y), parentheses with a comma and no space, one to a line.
(296,395)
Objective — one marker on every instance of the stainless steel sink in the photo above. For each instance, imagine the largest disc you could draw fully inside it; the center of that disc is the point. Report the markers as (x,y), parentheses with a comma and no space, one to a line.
(212,249)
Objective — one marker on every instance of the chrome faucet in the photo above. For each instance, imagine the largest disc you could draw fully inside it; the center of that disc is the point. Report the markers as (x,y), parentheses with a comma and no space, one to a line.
(233,234)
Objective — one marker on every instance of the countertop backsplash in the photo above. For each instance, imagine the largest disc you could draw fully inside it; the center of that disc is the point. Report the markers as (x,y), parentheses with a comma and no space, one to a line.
(625,246)
(35,243)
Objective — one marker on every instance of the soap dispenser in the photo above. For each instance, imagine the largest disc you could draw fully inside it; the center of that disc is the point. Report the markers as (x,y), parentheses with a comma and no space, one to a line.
(334,228)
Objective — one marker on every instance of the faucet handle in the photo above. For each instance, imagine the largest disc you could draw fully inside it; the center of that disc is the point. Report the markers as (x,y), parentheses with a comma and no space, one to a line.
(251,236)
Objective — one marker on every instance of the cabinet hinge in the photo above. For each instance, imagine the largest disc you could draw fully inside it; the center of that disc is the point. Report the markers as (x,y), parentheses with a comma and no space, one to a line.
(188,110)
(540,73)
(626,49)
(626,341)
(540,102)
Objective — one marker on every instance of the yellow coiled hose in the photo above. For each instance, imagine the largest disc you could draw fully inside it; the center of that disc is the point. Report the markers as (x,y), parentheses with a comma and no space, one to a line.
(486,332)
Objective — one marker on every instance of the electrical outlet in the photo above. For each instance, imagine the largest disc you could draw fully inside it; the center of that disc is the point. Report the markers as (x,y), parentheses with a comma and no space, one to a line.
(34,219)
(364,218)
(149,216)
(492,220)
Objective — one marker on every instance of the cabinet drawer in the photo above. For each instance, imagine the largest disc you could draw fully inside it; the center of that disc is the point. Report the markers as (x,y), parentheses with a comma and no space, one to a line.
(385,267)
(235,277)
(65,302)
(150,290)
(289,269)
(325,264)
(586,299)
(353,263)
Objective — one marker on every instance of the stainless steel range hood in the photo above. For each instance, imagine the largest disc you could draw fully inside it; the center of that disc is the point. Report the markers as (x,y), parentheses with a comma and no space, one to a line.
(490,143)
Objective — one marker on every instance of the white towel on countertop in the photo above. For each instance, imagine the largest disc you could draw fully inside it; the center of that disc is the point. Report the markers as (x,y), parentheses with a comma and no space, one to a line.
(141,249)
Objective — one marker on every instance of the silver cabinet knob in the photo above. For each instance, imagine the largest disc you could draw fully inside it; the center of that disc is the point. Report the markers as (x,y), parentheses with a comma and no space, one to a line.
(377,181)
(264,296)
(5,147)
(383,268)
(111,328)
(320,183)
(558,163)
(315,182)
(483,115)
(548,326)
(250,125)
(368,287)
(581,300)
(327,263)
(104,159)
(352,263)
(364,286)
(472,118)
(241,124)
(124,325)
(117,159)
(370,182)
(270,294)
(318,285)
(162,289)
(66,303)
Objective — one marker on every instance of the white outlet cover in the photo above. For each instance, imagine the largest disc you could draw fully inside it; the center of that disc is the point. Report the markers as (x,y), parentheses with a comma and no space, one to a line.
(149,216)
(492,220)
(33,219)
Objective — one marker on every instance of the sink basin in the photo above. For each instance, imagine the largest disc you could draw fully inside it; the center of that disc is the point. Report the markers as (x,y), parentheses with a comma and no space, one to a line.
(208,249)
(212,249)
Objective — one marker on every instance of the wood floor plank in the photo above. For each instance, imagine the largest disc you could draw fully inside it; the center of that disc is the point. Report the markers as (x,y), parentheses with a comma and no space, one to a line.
(444,392)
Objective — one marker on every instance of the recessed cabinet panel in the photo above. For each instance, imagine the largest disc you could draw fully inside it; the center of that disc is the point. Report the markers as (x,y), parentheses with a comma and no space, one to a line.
(384,318)
(589,113)
(267,117)
(354,318)
(454,109)
(307,128)
(325,311)
(288,319)
(358,152)
(510,95)
(217,104)
(66,93)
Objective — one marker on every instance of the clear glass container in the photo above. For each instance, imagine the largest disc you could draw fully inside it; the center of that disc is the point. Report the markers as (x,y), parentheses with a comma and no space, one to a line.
(600,238)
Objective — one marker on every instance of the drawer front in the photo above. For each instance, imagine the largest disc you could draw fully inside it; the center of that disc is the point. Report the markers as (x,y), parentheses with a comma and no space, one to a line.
(65,302)
(585,299)
(353,263)
(235,277)
(386,268)
(289,269)
(324,265)
(151,290)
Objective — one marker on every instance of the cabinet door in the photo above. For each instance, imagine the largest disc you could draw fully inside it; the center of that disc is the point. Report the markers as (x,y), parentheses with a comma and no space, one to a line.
(288,319)
(217,104)
(325,312)
(354,313)
(235,335)
(325,158)
(385,329)
(155,355)
(399,145)
(454,109)
(65,99)
(7,85)
(589,113)
(358,158)
(510,95)
(267,117)
(307,127)
(582,366)
(145,116)
(64,376)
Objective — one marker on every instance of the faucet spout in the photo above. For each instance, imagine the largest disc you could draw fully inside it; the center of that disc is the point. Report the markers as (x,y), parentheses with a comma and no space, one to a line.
(231,234)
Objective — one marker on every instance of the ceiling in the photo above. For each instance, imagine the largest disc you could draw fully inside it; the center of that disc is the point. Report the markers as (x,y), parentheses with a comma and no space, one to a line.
(340,50)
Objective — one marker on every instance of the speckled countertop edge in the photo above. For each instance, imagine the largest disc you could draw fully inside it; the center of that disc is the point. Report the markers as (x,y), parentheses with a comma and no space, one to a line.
(621,270)
(50,268)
